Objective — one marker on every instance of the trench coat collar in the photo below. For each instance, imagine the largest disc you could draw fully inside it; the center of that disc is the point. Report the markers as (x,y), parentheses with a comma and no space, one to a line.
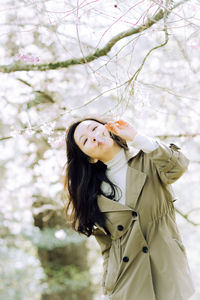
(135,181)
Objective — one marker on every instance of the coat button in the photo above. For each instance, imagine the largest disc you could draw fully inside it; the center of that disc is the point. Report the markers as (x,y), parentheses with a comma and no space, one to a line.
(125,259)
(134,214)
(120,227)
(145,249)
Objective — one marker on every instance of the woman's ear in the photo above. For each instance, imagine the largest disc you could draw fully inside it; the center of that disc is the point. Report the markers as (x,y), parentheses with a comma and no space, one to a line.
(93,160)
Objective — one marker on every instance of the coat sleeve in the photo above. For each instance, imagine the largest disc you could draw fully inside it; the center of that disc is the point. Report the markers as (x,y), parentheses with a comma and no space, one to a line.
(104,242)
(169,161)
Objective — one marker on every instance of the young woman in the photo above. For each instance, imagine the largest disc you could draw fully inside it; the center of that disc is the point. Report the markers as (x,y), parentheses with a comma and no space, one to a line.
(125,200)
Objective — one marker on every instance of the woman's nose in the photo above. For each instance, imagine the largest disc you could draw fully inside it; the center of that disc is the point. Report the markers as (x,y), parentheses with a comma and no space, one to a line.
(95,137)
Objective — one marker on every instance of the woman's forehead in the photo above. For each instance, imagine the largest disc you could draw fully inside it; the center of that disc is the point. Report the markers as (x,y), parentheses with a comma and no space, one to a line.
(86,124)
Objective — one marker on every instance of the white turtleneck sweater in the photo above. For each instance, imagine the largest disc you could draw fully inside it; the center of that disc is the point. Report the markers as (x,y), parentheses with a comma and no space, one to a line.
(117,167)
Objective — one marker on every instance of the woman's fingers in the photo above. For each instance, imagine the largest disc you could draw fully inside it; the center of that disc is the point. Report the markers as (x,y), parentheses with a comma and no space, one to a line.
(121,122)
(115,125)
(111,127)
(122,129)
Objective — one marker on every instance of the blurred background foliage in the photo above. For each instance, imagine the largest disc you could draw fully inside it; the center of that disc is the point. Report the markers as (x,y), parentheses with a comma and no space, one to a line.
(40,257)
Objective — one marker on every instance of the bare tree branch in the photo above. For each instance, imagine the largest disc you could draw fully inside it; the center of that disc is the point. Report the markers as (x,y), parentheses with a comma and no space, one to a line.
(162,137)
(93,56)
(186,135)
(185,216)
(168,90)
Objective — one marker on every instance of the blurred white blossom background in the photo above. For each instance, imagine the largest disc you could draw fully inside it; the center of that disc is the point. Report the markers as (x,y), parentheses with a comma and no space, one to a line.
(36,108)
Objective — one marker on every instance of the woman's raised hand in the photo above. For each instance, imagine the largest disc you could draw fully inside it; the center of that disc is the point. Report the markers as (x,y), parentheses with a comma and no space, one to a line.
(123,129)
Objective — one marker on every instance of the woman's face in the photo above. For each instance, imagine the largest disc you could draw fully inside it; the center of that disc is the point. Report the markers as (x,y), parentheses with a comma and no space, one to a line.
(94,139)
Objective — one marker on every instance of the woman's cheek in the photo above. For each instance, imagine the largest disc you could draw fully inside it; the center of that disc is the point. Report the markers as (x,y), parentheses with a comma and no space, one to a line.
(91,148)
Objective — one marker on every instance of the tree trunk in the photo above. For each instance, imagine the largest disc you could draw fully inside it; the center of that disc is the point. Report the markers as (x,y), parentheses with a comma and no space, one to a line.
(66,267)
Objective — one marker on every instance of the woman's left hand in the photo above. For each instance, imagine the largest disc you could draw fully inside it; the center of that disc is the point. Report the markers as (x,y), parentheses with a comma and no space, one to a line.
(123,129)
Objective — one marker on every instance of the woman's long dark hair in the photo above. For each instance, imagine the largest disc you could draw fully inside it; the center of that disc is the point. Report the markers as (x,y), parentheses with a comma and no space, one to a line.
(82,183)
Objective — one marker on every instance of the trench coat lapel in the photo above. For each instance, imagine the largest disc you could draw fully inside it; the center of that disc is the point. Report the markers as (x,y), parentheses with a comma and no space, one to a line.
(106,205)
(135,181)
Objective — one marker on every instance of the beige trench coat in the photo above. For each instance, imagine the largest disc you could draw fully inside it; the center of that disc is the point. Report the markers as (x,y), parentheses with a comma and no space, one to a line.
(144,257)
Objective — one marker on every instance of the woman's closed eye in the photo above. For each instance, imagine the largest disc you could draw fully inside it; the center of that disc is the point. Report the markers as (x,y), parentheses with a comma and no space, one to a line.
(87,139)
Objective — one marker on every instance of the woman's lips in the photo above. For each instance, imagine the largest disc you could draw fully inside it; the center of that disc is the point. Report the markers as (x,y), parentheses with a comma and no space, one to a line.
(101,140)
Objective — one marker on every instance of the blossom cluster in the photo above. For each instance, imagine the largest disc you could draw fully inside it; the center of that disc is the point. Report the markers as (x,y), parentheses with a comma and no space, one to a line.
(27,58)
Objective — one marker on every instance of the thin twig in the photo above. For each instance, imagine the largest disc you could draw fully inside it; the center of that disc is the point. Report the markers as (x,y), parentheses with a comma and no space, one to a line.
(185,216)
